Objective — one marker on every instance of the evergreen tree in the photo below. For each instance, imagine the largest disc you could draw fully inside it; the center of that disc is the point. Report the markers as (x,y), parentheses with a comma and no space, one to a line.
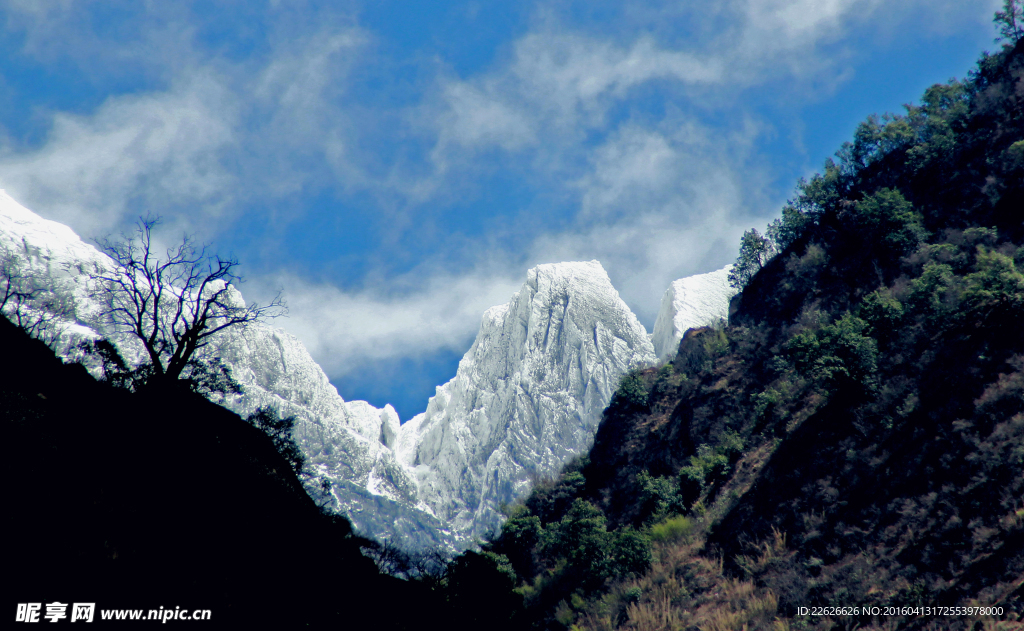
(755,252)
(1010,21)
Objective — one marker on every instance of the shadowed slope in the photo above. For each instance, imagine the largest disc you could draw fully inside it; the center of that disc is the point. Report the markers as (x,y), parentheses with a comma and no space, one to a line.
(164,499)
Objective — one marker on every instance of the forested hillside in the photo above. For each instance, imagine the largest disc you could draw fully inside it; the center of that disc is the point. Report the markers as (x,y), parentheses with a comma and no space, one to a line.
(853,438)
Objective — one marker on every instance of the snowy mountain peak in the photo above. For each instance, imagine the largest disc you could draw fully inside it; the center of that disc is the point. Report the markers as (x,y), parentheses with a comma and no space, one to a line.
(527,397)
(691,302)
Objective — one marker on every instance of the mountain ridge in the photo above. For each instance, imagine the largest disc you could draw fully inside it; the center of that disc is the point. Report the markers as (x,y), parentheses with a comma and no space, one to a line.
(365,452)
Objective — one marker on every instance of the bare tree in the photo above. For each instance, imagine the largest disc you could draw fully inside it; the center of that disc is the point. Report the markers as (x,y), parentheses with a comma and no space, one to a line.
(34,300)
(174,305)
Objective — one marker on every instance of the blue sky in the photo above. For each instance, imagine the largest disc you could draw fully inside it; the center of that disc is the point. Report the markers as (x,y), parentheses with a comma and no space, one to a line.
(396,167)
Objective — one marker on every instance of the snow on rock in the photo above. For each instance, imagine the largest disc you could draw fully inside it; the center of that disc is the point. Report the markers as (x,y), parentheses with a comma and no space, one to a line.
(54,251)
(526,398)
(691,302)
(347,442)
(21,229)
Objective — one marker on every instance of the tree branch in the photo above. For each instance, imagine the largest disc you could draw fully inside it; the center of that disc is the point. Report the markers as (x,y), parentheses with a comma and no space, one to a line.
(174,305)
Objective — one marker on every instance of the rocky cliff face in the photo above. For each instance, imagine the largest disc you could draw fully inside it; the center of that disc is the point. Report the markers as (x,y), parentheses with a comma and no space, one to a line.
(526,398)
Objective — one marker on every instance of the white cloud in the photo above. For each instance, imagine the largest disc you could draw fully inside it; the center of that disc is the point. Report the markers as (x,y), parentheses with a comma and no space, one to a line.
(659,196)
(343,330)
(661,204)
(795,24)
(215,136)
(558,82)
(281,122)
(135,153)
(477,118)
(637,168)
(142,41)
(569,73)
(656,192)
(298,117)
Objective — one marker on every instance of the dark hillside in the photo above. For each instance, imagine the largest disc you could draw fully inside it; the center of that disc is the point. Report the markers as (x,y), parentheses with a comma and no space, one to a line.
(147,500)
(853,438)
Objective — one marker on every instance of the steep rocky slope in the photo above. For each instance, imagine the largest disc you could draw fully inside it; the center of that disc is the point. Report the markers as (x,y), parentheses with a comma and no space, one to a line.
(527,396)
(154,500)
(526,399)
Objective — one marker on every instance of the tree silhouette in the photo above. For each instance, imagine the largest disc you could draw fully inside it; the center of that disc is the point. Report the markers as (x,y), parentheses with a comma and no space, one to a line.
(209,377)
(173,305)
(755,252)
(280,430)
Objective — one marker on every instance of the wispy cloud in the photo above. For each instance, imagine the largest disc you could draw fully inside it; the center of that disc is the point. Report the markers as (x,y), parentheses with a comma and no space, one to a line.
(135,152)
(643,138)
(344,329)
(214,135)
(297,111)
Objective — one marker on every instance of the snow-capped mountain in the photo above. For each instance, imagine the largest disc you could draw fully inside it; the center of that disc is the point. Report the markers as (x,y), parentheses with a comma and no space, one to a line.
(526,399)
(346,442)
(691,302)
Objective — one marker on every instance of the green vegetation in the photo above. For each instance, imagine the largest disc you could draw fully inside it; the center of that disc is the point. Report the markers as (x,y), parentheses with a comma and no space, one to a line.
(836,355)
(672,529)
(755,252)
(853,437)
(1010,21)
(632,391)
